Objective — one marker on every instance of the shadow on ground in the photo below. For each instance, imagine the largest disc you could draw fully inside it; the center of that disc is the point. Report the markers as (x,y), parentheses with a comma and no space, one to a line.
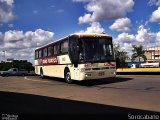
(28,106)
(103,81)
(90,83)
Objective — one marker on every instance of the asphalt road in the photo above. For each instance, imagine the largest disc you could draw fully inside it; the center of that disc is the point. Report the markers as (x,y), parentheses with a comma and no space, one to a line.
(128,94)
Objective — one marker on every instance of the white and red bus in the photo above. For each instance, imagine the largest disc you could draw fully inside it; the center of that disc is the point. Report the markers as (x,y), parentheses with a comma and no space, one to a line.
(79,56)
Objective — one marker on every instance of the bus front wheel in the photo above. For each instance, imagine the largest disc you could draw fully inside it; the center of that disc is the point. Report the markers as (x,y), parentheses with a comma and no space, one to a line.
(67,76)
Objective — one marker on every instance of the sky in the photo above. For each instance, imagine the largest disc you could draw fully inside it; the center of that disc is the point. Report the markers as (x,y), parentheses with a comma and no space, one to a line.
(28,24)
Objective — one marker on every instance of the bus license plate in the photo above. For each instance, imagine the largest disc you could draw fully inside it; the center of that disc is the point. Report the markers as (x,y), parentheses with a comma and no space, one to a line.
(101,73)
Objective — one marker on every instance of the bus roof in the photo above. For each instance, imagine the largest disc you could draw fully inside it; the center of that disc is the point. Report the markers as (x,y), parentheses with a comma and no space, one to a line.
(90,35)
(79,35)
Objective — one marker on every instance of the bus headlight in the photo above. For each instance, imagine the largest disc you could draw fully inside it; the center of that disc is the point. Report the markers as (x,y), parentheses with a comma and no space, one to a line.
(88,75)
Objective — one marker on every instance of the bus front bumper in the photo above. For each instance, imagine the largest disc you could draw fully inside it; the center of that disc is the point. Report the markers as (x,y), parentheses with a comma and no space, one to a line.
(89,75)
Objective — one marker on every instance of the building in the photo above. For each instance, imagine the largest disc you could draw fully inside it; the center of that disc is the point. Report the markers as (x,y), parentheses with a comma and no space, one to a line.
(153,54)
(10,60)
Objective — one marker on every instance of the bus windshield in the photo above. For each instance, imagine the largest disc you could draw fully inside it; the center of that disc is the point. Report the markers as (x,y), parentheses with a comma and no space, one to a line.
(96,50)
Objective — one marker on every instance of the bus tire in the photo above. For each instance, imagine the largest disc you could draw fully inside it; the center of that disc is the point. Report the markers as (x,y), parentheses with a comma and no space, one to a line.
(41,73)
(67,76)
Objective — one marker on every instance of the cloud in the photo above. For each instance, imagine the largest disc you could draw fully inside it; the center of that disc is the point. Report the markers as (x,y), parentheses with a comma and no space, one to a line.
(22,44)
(35,11)
(6,13)
(60,10)
(81,0)
(127,47)
(37,38)
(142,34)
(155,17)
(158,36)
(105,9)
(1,38)
(154,2)
(13,39)
(86,18)
(121,25)
(10,25)
(13,35)
(95,27)
(9,2)
(52,6)
(143,37)
(126,38)
(21,54)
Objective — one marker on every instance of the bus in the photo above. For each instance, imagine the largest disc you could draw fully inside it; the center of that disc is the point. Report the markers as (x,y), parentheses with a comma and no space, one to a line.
(78,56)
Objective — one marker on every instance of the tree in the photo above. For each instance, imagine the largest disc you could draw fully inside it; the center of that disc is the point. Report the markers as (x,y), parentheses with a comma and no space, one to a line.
(121,56)
(138,52)
(20,64)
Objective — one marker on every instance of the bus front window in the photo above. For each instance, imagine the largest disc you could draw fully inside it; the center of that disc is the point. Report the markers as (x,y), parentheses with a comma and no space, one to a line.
(107,49)
(96,50)
(91,50)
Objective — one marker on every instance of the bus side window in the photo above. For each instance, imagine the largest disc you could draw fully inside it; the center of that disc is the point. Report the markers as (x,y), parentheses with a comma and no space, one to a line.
(40,53)
(56,49)
(44,52)
(64,47)
(36,55)
(50,50)
(60,47)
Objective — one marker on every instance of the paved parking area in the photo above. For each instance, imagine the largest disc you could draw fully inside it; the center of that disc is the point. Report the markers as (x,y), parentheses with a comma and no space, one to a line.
(123,94)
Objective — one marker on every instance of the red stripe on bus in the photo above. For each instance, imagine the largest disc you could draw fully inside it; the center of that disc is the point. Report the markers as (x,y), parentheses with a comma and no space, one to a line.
(53,60)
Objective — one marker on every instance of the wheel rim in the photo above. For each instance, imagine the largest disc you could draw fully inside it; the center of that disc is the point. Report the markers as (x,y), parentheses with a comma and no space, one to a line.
(41,74)
(68,77)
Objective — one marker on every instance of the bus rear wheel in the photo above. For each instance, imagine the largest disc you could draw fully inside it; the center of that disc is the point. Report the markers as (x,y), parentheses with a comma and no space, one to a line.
(67,76)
